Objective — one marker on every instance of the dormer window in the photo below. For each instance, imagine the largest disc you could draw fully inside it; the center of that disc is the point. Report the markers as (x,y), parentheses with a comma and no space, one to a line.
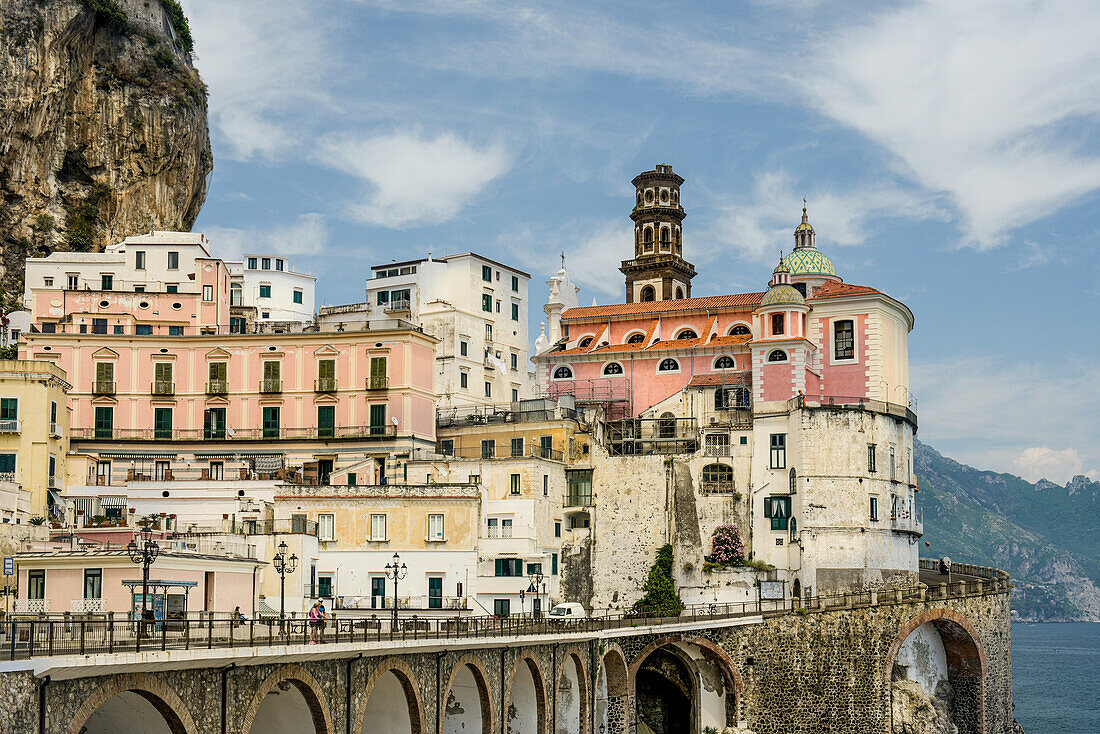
(636,338)
(687,334)
(740,330)
(583,344)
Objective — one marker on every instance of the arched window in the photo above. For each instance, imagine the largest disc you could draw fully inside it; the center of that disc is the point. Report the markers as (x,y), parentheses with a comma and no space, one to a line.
(777,355)
(563,373)
(647,235)
(648,294)
(612,368)
(635,338)
(740,330)
(668,365)
(666,425)
(717,478)
(584,342)
(794,530)
(687,334)
(794,481)
(666,237)
(679,293)
(725,362)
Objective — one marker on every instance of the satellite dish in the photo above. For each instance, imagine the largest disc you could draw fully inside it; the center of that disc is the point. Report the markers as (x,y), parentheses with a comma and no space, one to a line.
(394,419)
(229,431)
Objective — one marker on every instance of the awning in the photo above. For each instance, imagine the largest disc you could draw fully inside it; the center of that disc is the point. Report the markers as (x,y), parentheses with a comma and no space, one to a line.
(85,504)
(55,497)
(136,454)
(263,610)
(236,454)
(112,501)
(269,464)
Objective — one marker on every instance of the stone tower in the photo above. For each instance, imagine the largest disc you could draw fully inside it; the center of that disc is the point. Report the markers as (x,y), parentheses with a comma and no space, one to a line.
(658,271)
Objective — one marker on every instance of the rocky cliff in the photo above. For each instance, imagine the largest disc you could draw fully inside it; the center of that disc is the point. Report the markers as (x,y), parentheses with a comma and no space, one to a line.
(103,127)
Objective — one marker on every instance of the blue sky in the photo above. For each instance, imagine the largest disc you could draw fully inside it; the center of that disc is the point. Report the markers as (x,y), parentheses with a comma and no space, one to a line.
(950,154)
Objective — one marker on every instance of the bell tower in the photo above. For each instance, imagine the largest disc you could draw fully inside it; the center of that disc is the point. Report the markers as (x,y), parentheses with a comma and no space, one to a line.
(658,271)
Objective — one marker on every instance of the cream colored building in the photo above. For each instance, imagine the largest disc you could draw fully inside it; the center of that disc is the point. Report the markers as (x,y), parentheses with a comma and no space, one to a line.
(34,438)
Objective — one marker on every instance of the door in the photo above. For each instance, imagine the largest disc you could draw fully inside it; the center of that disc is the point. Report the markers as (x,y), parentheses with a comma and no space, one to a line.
(324,587)
(324,469)
(271,422)
(326,421)
(214,423)
(378,592)
(162,378)
(378,373)
(208,591)
(162,423)
(104,421)
(435,592)
(378,420)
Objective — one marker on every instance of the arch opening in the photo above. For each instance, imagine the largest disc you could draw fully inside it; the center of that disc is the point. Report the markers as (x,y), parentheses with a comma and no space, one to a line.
(288,709)
(685,685)
(571,697)
(611,694)
(526,710)
(390,709)
(133,712)
(467,709)
(648,294)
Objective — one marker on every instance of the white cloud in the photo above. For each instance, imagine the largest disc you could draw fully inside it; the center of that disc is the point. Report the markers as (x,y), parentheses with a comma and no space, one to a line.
(988,413)
(414,179)
(1044,462)
(975,98)
(265,64)
(307,235)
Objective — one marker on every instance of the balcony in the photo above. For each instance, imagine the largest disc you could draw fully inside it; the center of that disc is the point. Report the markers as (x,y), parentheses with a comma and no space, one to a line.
(87,606)
(55,430)
(103,387)
(55,483)
(217,387)
(163,387)
(10,426)
(665,435)
(905,522)
(398,306)
(375,382)
(271,386)
(324,384)
(578,499)
(9,477)
(236,434)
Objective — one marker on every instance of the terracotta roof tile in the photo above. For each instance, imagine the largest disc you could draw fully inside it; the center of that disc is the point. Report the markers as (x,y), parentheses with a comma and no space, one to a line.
(731,341)
(719,378)
(837,290)
(658,307)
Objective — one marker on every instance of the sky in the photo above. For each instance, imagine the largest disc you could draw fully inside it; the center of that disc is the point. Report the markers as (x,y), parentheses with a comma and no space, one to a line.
(949,152)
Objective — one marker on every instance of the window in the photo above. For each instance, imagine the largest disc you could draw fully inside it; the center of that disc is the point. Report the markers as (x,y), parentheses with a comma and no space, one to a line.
(844,341)
(236,295)
(777,355)
(383,297)
(48,282)
(271,421)
(509,566)
(272,375)
(717,477)
(93,583)
(378,527)
(717,444)
(171,288)
(488,389)
(492,525)
(515,362)
(501,607)
(515,284)
(326,421)
(265,291)
(216,470)
(104,375)
(498,306)
(265,263)
(779,510)
(353,479)
(515,395)
(326,374)
(175,331)
(728,398)
(557,529)
(687,334)
(7,463)
(99,326)
(794,481)
(104,421)
(648,294)
(506,528)
(514,486)
(213,423)
(9,409)
(298,295)
(486,302)
(778,451)
(36,584)
(208,293)
(173,260)
(488,449)
(893,466)
(139,289)
(794,530)
(585,342)
(72,281)
(435,591)
(740,330)
(139,260)
(488,332)
(545,485)
(553,564)
(143,330)
(464,380)
(635,338)
(517,447)
(725,362)
(515,312)
(874,509)
(278,264)
(162,423)
(378,419)
(778,324)
(251,263)
(463,348)
(106,282)
(612,368)
(668,365)
(563,373)
(487,273)
(326,526)
(435,527)
(871,458)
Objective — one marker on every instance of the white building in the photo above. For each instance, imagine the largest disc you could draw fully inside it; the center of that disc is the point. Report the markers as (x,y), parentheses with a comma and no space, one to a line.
(475,306)
(266,285)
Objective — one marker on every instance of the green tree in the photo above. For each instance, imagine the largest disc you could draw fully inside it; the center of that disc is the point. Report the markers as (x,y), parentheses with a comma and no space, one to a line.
(660,597)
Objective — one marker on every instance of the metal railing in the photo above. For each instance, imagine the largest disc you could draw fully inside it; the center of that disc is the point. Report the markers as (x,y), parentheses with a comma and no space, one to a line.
(9,476)
(234,434)
(163,387)
(10,426)
(324,384)
(600,390)
(41,636)
(650,436)
(217,387)
(103,387)
(578,499)
(861,403)
(377,382)
(55,430)
(270,386)
(400,305)
(501,450)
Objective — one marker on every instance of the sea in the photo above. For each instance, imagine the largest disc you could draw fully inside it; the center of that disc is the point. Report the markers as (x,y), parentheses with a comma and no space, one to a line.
(1056,677)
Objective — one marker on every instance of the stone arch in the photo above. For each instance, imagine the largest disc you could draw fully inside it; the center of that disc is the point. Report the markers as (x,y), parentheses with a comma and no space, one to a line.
(734,708)
(476,667)
(612,699)
(614,664)
(575,655)
(535,668)
(407,678)
(154,690)
(306,684)
(966,664)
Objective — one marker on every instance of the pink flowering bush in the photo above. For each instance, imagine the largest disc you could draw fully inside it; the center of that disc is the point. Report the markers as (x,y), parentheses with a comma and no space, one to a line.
(727,548)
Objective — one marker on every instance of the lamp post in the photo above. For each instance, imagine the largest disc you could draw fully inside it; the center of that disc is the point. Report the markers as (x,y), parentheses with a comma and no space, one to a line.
(536,584)
(144,553)
(283,566)
(396,571)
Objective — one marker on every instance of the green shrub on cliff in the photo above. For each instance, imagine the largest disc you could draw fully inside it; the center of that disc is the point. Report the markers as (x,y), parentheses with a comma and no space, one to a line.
(107,12)
(179,24)
(660,590)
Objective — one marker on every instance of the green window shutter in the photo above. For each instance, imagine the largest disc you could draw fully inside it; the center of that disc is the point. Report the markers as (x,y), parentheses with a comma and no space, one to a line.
(326,421)
(7,463)
(162,423)
(326,369)
(9,409)
(499,561)
(377,415)
(271,370)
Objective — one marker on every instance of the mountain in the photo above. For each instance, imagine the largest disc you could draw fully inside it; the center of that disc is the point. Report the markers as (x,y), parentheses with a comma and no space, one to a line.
(103,127)
(1043,534)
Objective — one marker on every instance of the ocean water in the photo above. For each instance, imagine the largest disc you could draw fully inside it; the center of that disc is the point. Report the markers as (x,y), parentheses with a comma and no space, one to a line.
(1056,677)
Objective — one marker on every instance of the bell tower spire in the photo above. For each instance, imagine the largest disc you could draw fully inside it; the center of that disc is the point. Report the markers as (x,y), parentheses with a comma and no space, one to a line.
(658,271)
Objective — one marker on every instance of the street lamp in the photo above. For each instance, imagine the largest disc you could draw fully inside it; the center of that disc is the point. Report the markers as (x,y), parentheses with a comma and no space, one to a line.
(144,553)
(283,566)
(396,571)
(536,584)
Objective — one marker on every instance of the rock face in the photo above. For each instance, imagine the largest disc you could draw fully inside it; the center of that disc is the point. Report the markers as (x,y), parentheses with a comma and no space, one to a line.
(916,713)
(103,127)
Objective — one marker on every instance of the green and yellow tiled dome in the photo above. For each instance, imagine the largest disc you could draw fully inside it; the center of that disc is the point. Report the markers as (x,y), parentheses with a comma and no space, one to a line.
(809,262)
(778,295)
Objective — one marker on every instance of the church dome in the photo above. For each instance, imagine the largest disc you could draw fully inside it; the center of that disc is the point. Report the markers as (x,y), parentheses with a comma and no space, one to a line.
(779,295)
(809,261)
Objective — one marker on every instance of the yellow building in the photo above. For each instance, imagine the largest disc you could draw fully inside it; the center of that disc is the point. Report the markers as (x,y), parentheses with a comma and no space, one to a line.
(34,438)
(538,428)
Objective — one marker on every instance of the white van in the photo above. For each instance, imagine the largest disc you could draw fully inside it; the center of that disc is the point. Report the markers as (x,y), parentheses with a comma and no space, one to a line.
(567,612)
